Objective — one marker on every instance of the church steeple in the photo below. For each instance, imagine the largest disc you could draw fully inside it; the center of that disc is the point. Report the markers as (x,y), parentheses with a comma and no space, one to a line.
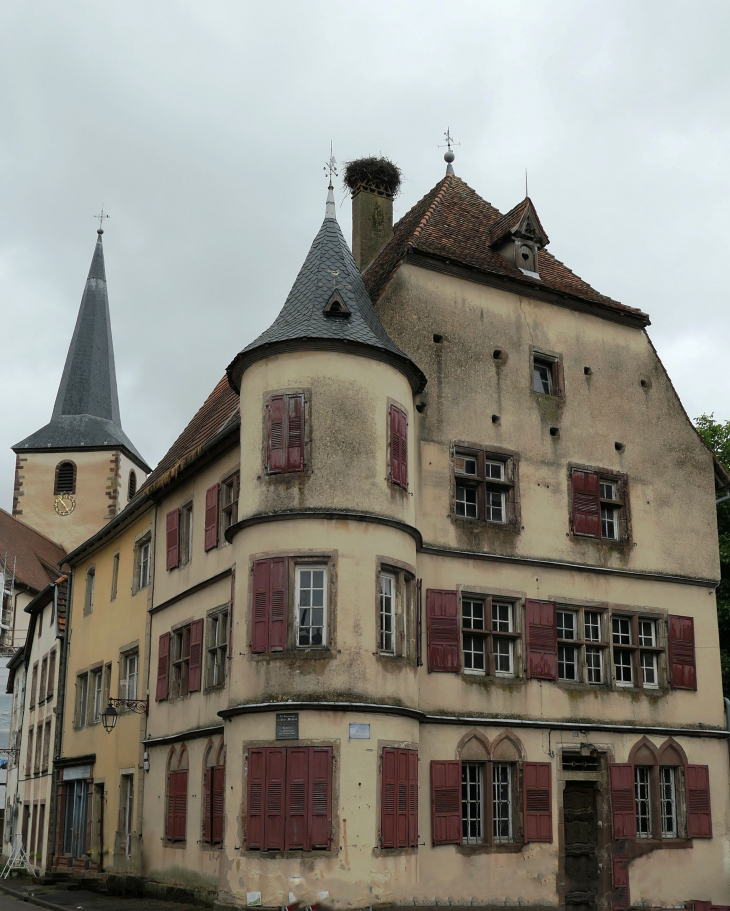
(86,412)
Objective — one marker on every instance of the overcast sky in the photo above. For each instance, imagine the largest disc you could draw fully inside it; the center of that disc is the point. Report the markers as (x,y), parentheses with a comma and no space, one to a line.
(203,127)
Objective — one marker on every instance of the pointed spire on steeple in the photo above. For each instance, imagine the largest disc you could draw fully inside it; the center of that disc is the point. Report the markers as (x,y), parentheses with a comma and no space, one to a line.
(86,411)
(331,166)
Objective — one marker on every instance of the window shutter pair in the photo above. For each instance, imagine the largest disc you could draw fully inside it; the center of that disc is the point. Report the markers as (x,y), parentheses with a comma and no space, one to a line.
(196,656)
(214,805)
(211,517)
(586,486)
(285,439)
(289,799)
(270,605)
(446,801)
(623,801)
(442,618)
(541,626)
(163,664)
(398,447)
(172,524)
(682,653)
(177,805)
(399,799)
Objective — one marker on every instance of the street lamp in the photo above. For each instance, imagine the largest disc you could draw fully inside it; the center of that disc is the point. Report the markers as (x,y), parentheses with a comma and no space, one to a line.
(109,718)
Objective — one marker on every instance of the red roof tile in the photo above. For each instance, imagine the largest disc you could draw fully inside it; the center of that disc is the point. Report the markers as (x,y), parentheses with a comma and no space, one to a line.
(453,222)
(219,409)
(36,556)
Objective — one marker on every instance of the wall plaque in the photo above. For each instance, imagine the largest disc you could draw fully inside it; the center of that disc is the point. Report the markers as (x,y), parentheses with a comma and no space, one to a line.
(359,732)
(287,725)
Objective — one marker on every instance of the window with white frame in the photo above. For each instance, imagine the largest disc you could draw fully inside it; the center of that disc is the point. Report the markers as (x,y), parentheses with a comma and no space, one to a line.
(582,643)
(502,802)
(622,657)
(472,802)
(82,699)
(642,789)
(180,664)
(668,801)
(484,485)
(387,613)
(128,684)
(648,659)
(217,648)
(229,502)
(637,650)
(142,556)
(487,636)
(567,654)
(610,509)
(311,606)
(89,590)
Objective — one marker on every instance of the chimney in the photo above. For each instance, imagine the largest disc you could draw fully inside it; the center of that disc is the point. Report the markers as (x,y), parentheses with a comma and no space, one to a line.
(373,183)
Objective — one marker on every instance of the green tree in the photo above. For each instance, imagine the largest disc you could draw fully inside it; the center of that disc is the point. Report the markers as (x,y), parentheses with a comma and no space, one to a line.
(717,437)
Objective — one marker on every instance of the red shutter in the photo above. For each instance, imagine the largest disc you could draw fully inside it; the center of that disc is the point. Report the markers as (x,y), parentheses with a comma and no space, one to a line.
(623,804)
(401,827)
(542,639)
(446,801)
(274,797)
(207,803)
(320,797)
(697,785)
(219,782)
(295,433)
(586,503)
(196,656)
(261,601)
(403,433)
(211,517)
(537,779)
(255,809)
(444,652)
(279,603)
(276,450)
(682,653)
(704,906)
(163,659)
(173,539)
(387,798)
(394,445)
(178,804)
(412,799)
(419,624)
(621,896)
(297,792)
(171,786)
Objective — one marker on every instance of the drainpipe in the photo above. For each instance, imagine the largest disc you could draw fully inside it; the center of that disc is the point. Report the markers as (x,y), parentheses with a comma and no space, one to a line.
(727,716)
(63,654)
(722,499)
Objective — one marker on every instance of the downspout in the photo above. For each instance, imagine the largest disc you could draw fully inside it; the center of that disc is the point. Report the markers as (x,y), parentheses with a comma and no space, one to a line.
(60,708)
(727,717)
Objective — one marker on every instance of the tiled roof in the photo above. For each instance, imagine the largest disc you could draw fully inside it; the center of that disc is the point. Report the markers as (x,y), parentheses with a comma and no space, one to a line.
(219,409)
(454,223)
(86,413)
(303,318)
(36,556)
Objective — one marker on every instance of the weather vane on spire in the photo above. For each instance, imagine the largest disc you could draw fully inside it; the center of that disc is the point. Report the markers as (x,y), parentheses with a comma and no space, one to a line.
(331,165)
(101,216)
(449,154)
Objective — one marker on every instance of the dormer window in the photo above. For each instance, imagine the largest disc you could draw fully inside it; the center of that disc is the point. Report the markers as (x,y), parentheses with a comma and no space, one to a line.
(336,307)
(518,237)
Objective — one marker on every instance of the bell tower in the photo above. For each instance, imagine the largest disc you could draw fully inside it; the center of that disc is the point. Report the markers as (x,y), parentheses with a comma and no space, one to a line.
(76,473)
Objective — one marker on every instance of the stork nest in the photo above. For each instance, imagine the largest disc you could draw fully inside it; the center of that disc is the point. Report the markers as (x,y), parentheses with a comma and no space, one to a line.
(379,173)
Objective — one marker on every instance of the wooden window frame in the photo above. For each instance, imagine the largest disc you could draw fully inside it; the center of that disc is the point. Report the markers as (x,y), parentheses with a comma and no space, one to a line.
(82,700)
(508,485)
(404,610)
(661,651)
(142,541)
(395,408)
(621,504)
(89,587)
(488,634)
(580,643)
(179,660)
(228,502)
(554,362)
(219,616)
(124,657)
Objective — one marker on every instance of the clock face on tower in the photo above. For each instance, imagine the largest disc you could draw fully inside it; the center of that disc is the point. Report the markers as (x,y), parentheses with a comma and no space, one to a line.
(65,504)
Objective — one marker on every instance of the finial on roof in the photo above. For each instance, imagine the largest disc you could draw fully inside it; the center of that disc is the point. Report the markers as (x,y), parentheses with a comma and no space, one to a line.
(449,154)
(101,218)
(331,167)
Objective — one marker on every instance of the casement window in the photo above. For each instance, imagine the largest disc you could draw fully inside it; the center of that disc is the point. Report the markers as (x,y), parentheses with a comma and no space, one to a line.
(46,745)
(285,433)
(213,804)
(115,577)
(217,648)
(96,696)
(636,651)
(395,612)
(186,534)
(279,625)
(179,536)
(598,506)
(475,803)
(398,447)
(129,675)
(582,642)
(51,674)
(142,568)
(484,485)
(33,686)
(660,801)
(163,668)
(82,699)
(229,502)
(547,374)
(89,591)
(289,799)
(488,635)
(126,812)
(187,653)
(399,798)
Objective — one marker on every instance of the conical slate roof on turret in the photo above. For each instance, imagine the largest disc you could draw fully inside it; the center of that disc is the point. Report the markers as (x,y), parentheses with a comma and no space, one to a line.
(86,413)
(302,323)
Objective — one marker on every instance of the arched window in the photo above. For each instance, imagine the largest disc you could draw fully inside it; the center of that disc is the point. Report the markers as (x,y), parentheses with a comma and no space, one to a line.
(177,795)
(213,794)
(65,481)
(132,486)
